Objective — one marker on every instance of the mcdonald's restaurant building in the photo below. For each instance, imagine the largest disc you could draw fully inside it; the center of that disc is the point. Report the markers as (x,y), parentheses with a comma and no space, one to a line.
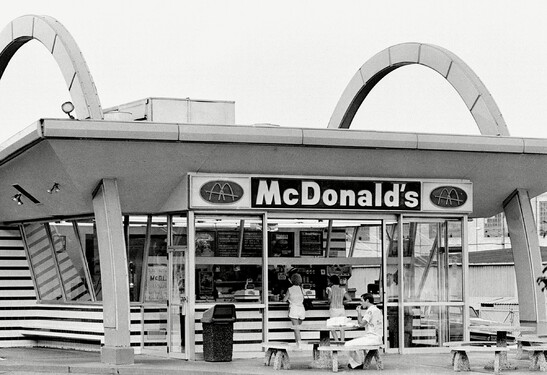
(120,227)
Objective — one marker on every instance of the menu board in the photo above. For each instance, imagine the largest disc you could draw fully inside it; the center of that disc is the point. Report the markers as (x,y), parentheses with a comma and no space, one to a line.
(227,244)
(311,243)
(252,244)
(281,244)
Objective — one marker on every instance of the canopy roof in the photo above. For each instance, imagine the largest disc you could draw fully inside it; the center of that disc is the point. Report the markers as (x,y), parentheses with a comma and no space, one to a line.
(150,162)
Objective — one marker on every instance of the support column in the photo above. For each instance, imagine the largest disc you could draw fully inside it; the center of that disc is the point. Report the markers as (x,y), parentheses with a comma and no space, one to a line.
(527,258)
(114,275)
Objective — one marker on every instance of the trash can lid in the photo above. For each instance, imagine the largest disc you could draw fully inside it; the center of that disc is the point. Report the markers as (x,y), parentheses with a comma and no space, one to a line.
(219,313)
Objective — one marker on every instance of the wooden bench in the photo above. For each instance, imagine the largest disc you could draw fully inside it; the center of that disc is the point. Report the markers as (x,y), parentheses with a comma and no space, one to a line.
(316,344)
(276,354)
(460,360)
(537,356)
(373,351)
(528,340)
(469,343)
(38,334)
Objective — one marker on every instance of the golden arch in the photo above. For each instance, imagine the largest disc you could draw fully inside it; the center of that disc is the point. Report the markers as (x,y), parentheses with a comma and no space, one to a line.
(64,49)
(476,97)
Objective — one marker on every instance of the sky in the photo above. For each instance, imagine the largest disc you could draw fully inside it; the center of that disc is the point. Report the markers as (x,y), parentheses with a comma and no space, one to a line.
(288,62)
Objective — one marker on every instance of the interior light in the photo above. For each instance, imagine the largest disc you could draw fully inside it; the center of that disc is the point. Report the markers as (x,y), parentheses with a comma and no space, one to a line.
(54,189)
(17,198)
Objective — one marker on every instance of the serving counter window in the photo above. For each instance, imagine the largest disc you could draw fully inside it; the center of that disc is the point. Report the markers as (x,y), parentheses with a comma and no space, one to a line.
(229,248)
(319,248)
(228,256)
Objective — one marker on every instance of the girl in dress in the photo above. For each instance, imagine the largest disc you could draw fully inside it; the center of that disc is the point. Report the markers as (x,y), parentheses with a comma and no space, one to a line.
(297,313)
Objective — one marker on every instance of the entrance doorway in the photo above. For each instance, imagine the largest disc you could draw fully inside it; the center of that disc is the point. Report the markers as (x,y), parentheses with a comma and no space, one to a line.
(425,283)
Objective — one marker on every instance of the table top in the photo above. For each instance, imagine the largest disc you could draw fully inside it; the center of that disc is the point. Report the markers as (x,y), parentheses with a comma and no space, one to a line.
(502,328)
(324,327)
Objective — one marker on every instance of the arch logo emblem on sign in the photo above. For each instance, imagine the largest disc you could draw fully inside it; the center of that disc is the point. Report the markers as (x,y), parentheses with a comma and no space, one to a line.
(221,192)
(448,197)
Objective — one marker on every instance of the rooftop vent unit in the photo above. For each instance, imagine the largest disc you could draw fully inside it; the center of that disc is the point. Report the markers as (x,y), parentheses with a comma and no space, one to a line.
(171,110)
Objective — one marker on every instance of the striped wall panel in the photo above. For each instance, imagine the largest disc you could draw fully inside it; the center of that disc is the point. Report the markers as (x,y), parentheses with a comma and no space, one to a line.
(81,327)
(16,289)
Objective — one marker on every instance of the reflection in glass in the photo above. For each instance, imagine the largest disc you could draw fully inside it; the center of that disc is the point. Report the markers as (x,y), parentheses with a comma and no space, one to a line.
(43,262)
(432,269)
(71,262)
(148,251)
(431,326)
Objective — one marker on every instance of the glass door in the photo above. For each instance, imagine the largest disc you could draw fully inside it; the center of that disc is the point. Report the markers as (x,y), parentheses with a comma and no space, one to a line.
(177,338)
(425,281)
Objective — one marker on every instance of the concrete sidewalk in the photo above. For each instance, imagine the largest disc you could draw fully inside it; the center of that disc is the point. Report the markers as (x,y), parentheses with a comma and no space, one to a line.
(57,361)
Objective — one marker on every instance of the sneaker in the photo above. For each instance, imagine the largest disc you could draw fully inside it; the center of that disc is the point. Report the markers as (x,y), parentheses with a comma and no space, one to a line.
(360,367)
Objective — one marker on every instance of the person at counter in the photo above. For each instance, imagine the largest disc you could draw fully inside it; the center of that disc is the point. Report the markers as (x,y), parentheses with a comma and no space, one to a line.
(373,322)
(297,313)
(337,296)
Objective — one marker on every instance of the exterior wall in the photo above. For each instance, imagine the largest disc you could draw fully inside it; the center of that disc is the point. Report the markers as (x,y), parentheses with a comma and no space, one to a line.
(17,296)
(487,281)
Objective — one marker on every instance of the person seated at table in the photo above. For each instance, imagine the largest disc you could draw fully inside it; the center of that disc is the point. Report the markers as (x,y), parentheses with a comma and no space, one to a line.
(370,317)
(297,313)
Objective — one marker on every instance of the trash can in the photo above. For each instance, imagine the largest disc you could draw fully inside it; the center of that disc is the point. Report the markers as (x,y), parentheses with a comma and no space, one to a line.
(218,332)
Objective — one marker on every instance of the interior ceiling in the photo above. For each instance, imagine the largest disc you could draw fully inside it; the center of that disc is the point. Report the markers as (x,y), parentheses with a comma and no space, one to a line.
(148,172)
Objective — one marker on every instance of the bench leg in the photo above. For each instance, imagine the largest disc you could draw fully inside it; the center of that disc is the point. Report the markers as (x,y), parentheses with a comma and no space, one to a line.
(538,361)
(542,362)
(521,354)
(368,355)
(335,361)
(268,357)
(497,360)
(315,352)
(461,362)
(373,354)
(281,360)
(368,359)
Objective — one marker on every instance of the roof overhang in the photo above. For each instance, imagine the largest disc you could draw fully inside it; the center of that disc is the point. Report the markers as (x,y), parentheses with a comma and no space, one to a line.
(150,161)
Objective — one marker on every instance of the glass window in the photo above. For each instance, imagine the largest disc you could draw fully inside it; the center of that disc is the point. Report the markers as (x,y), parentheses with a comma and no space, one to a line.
(431,326)
(72,266)
(88,234)
(147,257)
(229,253)
(42,260)
(543,218)
(495,226)
(432,264)
(302,246)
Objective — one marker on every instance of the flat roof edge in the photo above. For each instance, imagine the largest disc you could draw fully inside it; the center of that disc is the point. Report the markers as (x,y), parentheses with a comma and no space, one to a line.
(152,131)
(21,141)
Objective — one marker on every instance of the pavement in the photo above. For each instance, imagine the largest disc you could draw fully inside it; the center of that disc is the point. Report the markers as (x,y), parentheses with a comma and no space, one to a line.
(36,361)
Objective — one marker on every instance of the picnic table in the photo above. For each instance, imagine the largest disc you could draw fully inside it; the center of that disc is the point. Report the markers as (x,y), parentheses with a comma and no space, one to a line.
(324,359)
(501,341)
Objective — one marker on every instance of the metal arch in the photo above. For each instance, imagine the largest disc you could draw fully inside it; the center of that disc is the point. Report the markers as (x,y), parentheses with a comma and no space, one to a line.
(476,97)
(64,49)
